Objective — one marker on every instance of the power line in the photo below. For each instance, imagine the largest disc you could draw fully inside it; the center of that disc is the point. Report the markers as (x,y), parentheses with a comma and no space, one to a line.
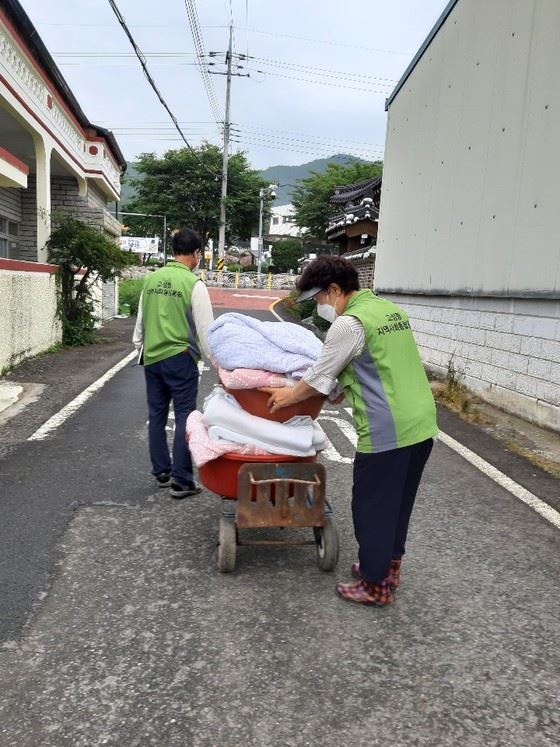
(328,41)
(323,71)
(269,62)
(190,7)
(152,83)
(257,132)
(319,82)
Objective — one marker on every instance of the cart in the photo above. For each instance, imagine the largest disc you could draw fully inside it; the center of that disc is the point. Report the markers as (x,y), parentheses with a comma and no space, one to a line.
(271,491)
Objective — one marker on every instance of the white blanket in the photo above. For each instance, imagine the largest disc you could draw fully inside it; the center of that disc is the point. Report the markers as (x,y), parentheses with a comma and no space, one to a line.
(227,421)
(239,341)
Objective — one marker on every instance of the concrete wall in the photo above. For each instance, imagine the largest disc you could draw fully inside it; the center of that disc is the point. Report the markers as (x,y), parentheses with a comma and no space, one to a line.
(468,238)
(28,323)
(470,181)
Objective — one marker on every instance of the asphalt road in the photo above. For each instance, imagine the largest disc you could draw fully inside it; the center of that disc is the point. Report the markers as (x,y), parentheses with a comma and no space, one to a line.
(118,629)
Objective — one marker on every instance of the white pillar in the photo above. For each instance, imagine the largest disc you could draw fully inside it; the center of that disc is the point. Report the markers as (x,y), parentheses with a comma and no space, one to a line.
(43,184)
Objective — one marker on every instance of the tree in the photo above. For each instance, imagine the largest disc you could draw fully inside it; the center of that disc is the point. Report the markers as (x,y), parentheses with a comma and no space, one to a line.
(285,254)
(186,187)
(311,197)
(84,254)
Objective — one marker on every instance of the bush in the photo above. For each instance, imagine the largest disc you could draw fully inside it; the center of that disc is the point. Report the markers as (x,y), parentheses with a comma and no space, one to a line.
(129,293)
(305,310)
(84,255)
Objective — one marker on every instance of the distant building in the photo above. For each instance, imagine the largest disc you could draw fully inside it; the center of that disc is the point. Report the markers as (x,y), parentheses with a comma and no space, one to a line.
(282,224)
(51,159)
(468,240)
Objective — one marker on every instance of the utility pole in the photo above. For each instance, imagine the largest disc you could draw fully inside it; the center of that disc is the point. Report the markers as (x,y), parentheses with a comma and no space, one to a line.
(222,234)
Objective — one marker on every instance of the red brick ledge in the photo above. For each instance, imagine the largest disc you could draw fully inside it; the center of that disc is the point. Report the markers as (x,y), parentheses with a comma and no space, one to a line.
(18,265)
(5,155)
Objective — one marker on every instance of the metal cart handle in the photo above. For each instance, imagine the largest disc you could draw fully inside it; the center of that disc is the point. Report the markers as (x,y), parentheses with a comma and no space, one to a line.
(252,480)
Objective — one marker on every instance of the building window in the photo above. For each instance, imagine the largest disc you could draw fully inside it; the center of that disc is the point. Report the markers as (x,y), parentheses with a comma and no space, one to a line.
(287,219)
(275,220)
(8,231)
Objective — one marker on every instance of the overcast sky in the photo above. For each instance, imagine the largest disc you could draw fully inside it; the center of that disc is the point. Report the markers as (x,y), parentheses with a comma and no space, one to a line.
(319,75)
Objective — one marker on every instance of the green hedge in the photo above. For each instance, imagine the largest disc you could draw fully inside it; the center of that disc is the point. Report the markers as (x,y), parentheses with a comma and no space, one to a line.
(129,293)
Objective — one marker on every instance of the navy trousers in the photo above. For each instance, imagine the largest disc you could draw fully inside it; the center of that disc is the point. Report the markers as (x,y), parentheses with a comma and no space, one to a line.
(173,379)
(383,494)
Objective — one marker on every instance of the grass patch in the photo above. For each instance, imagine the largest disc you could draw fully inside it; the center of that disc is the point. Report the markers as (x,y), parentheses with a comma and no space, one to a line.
(454,395)
(547,465)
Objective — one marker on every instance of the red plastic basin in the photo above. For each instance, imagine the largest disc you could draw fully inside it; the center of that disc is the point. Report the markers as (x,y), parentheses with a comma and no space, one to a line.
(220,475)
(255,403)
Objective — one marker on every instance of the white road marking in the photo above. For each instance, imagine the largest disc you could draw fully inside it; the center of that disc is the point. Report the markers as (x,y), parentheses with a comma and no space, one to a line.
(542,508)
(524,495)
(346,427)
(246,295)
(57,420)
(332,454)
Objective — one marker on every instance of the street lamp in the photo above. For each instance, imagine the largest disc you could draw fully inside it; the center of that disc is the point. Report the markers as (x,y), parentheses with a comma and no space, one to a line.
(265,193)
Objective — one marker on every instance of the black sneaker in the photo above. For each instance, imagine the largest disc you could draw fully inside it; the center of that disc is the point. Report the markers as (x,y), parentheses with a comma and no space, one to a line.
(183,491)
(163,479)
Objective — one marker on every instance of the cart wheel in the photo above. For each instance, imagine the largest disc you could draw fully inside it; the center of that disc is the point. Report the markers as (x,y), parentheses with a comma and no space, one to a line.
(326,538)
(227,545)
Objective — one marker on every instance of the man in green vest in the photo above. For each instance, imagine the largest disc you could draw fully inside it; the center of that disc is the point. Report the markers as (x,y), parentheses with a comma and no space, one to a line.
(174,314)
(370,349)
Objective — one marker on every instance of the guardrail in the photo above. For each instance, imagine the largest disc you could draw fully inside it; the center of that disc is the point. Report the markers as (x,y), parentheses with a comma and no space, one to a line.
(226,279)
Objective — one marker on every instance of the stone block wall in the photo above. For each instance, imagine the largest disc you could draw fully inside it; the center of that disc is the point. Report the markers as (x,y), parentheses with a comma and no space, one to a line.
(27,239)
(91,208)
(507,350)
(64,198)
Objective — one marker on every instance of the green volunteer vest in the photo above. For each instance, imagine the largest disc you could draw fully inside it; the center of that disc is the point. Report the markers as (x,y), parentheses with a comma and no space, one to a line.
(167,318)
(386,385)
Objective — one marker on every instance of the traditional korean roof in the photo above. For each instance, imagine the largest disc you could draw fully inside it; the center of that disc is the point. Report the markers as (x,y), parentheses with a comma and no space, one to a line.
(349,192)
(359,254)
(367,211)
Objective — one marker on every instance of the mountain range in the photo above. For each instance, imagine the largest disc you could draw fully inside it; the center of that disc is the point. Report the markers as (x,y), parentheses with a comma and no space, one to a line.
(286,177)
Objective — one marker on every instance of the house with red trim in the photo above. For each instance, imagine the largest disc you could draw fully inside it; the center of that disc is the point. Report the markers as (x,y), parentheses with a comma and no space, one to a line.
(52,158)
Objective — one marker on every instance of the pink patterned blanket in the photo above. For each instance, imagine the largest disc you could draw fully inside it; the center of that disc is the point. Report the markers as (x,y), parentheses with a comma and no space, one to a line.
(252,378)
(204,450)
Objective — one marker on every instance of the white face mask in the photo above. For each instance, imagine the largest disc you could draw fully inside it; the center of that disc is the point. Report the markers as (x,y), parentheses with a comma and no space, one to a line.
(327,312)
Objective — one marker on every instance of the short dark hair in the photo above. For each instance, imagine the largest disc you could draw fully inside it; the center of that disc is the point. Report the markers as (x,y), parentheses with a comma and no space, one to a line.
(186,241)
(327,269)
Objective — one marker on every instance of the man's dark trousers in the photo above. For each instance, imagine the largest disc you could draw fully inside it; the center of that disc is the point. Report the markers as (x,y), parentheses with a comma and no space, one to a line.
(172,379)
(383,494)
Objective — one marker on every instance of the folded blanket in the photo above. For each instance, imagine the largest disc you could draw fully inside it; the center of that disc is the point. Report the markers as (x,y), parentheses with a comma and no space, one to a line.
(227,421)
(239,341)
(252,378)
(203,449)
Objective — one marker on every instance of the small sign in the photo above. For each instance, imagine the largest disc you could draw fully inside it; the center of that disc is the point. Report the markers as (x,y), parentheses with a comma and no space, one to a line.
(139,244)
(220,264)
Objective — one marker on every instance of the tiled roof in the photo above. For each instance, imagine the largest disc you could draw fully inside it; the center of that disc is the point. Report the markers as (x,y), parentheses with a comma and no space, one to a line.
(348,192)
(338,223)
